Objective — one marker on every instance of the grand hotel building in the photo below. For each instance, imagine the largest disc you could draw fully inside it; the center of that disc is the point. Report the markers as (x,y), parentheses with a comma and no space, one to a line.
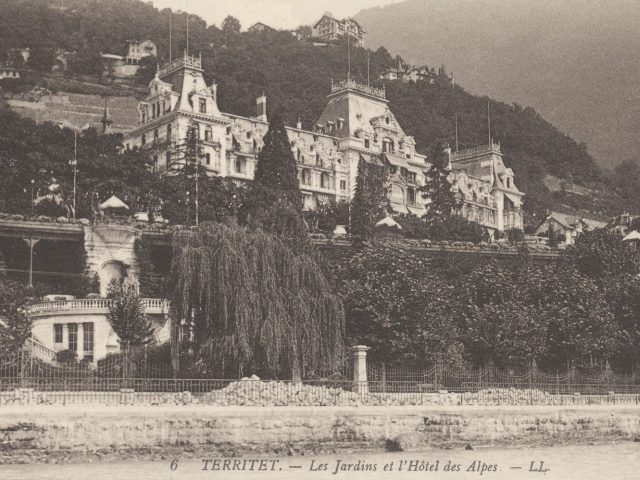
(357,123)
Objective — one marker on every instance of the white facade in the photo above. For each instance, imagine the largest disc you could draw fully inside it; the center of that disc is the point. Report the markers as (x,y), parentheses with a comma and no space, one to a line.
(83,327)
(330,28)
(356,124)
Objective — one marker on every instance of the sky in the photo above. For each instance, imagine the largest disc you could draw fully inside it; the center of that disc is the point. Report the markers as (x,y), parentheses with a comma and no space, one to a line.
(275,13)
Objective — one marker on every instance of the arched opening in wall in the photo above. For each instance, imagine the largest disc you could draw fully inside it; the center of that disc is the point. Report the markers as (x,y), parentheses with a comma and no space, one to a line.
(388,145)
(306,176)
(325,180)
(109,272)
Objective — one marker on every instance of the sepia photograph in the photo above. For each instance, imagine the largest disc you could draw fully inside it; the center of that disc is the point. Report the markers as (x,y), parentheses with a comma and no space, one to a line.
(296,239)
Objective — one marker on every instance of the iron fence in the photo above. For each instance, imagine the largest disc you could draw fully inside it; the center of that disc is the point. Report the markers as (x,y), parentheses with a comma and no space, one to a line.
(25,378)
(228,392)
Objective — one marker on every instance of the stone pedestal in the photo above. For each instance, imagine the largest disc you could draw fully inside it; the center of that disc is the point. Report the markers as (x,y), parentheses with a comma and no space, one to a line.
(359,356)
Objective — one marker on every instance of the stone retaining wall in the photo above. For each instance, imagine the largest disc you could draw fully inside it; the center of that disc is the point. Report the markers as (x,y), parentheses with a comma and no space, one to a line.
(257,393)
(39,433)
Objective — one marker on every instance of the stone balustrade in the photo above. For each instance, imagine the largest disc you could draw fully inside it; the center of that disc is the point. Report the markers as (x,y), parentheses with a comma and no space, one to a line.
(93,305)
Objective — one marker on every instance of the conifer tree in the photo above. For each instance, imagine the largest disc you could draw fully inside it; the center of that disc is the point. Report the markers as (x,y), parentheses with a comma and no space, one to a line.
(440,200)
(369,199)
(361,228)
(276,172)
(274,201)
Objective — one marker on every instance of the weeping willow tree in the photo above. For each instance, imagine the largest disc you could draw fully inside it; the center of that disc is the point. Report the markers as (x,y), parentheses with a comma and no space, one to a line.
(244,302)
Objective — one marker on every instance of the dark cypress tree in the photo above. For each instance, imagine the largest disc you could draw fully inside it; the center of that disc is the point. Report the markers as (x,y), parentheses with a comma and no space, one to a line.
(442,202)
(276,173)
(369,200)
(361,228)
(274,201)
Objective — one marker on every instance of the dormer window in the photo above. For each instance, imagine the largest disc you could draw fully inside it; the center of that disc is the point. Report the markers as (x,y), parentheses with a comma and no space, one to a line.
(340,123)
(203,105)
(367,143)
(248,135)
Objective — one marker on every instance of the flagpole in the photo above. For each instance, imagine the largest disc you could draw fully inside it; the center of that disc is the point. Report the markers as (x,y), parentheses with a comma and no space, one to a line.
(170,28)
(489,121)
(187,27)
(456,132)
(349,56)
(75,169)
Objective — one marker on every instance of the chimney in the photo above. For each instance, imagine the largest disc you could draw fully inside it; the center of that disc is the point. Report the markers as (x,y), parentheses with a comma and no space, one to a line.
(261,108)
(299,124)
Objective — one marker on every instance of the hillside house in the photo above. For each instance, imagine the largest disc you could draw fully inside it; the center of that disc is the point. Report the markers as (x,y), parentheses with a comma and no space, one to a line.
(329,28)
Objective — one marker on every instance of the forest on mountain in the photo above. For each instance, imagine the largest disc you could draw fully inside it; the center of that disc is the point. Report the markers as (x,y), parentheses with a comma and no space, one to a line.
(572,60)
(296,77)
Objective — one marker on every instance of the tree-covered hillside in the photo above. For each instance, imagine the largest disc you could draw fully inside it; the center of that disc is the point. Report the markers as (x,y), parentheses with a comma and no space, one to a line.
(296,76)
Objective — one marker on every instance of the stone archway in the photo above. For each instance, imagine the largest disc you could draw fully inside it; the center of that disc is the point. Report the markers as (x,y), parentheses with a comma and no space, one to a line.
(111,270)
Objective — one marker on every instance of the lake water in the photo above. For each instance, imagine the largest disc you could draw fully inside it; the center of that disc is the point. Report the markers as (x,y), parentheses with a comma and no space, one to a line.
(610,462)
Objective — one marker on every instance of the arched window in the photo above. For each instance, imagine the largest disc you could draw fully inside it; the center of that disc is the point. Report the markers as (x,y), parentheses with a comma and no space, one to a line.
(208,134)
(325,180)
(306,176)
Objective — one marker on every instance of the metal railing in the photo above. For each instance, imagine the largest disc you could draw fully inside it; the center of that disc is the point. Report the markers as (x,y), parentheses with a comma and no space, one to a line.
(136,379)
(353,85)
(248,392)
(476,151)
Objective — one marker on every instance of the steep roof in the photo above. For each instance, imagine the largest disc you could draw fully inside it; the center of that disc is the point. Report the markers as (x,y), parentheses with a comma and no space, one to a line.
(632,236)
(113,202)
(571,221)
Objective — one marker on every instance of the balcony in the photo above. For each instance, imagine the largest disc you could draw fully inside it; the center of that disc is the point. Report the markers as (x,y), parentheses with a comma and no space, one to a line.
(493,148)
(351,84)
(153,306)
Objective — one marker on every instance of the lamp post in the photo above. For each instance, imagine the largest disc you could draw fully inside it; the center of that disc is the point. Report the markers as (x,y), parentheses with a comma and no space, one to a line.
(32,199)
(188,207)
(197,168)
(74,162)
